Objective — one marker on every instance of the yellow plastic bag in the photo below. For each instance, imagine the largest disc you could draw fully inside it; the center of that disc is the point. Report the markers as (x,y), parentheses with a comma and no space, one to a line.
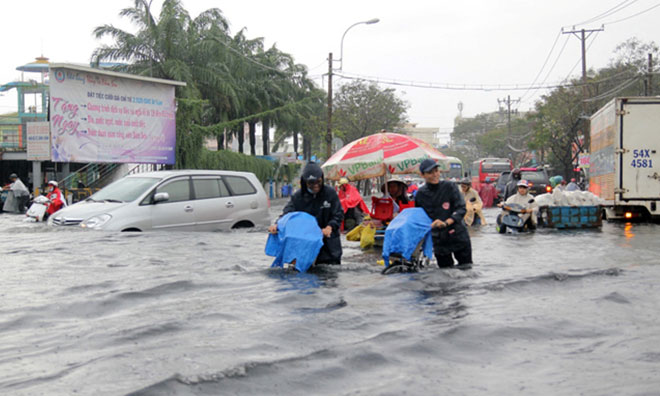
(354,234)
(368,237)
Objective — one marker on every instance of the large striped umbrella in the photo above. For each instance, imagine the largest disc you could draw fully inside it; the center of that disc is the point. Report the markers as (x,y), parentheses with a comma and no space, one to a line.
(380,154)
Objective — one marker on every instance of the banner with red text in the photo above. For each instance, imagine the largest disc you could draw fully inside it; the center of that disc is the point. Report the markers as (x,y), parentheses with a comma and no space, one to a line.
(105,118)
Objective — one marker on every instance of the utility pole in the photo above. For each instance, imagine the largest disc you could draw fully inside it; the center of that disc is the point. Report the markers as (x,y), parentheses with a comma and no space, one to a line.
(585,93)
(328,133)
(507,101)
(648,89)
(583,36)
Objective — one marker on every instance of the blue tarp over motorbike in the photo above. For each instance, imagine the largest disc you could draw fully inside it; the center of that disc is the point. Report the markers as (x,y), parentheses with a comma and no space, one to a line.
(405,232)
(298,238)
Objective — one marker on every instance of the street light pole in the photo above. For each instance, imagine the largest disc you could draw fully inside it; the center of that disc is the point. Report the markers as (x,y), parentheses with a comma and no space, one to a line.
(341,53)
(328,134)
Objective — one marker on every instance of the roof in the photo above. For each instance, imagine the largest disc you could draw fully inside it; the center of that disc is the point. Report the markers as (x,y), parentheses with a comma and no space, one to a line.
(24,84)
(189,172)
(40,64)
(86,69)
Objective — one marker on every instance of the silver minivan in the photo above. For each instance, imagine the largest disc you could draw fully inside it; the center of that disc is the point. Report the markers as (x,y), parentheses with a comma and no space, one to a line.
(183,200)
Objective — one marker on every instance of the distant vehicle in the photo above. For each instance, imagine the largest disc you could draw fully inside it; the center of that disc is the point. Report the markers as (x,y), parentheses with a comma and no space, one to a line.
(624,162)
(538,180)
(183,200)
(455,168)
(488,167)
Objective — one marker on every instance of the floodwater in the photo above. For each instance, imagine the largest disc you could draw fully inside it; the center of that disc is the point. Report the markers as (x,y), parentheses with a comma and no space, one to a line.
(554,312)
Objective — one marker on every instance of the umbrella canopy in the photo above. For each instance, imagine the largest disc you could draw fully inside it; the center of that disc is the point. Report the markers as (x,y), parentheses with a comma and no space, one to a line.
(380,154)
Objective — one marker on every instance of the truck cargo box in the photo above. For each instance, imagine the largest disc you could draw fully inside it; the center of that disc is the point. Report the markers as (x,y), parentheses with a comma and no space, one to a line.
(624,167)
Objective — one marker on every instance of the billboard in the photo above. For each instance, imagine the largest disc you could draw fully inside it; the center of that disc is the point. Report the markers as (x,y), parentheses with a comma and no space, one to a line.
(98,116)
(38,141)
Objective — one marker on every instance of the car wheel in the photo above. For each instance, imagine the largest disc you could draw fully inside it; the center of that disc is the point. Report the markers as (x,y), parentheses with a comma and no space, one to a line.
(242,224)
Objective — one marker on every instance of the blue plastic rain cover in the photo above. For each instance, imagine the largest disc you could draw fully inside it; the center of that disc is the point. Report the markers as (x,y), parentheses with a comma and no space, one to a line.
(298,238)
(405,232)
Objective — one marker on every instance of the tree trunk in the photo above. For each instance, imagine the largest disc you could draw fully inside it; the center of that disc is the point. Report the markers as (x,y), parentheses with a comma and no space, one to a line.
(253,139)
(241,137)
(221,141)
(295,143)
(265,134)
(307,148)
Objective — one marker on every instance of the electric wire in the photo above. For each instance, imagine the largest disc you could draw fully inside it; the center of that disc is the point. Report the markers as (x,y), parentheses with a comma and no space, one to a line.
(544,64)
(553,65)
(632,16)
(607,13)
(614,90)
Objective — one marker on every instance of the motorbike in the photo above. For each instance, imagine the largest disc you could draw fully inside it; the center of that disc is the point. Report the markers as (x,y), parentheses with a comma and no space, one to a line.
(511,219)
(38,208)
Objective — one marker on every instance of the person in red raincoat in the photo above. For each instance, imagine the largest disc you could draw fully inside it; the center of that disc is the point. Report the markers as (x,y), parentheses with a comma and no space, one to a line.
(55,198)
(352,203)
(488,193)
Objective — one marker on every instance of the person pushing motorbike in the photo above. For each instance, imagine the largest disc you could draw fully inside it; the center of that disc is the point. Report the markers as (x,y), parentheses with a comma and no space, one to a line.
(322,202)
(444,204)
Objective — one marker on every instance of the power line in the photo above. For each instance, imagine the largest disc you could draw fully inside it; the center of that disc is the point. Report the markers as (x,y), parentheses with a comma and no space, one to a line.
(632,16)
(544,63)
(614,90)
(607,13)
(451,86)
(553,65)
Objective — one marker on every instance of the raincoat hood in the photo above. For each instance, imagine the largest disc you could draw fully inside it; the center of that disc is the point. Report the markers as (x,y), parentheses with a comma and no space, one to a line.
(312,171)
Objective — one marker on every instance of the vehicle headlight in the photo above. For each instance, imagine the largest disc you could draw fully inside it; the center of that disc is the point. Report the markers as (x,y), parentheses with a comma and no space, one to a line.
(96,221)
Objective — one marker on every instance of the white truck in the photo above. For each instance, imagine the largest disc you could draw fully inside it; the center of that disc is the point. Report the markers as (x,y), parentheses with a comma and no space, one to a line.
(624,167)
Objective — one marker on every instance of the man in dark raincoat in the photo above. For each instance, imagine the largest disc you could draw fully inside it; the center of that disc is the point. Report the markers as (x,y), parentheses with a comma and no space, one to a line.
(444,204)
(511,187)
(322,202)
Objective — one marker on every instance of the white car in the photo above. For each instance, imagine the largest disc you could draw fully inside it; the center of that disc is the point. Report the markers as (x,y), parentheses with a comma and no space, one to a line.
(183,200)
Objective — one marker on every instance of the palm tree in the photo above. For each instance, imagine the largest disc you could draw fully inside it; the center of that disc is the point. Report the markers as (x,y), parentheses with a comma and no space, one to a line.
(228,78)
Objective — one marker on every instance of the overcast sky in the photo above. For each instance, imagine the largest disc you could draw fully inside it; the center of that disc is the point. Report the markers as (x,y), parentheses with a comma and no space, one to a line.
(470,42)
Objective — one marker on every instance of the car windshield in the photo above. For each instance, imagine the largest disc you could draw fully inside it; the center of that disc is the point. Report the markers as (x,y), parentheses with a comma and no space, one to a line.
(125,190)
(495,167)
(534,177)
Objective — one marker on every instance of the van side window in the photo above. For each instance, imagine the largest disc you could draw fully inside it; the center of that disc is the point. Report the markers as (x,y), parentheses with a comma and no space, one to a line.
(210,187)
(239,185)
(179,190)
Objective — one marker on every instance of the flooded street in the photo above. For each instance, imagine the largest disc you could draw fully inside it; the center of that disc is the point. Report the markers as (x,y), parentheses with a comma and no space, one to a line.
(554,312)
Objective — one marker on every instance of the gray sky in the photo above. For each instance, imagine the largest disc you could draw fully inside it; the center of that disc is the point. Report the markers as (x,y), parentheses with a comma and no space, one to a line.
(470,42)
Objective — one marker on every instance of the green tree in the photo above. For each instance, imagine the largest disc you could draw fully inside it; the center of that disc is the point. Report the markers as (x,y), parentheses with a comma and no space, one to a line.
(361,109)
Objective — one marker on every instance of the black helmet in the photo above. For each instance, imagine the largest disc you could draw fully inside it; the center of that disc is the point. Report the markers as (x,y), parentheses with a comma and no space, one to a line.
(311,173)
(515,173)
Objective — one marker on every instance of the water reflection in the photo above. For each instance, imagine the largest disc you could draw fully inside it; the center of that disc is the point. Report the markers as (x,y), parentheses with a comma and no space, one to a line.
(305,283)
(627,231)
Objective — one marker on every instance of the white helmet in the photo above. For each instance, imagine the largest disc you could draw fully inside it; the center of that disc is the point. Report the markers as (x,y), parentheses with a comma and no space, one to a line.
(53,183)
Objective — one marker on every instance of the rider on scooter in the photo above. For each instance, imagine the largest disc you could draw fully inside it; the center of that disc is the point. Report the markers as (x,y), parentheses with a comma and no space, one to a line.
(526,200)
